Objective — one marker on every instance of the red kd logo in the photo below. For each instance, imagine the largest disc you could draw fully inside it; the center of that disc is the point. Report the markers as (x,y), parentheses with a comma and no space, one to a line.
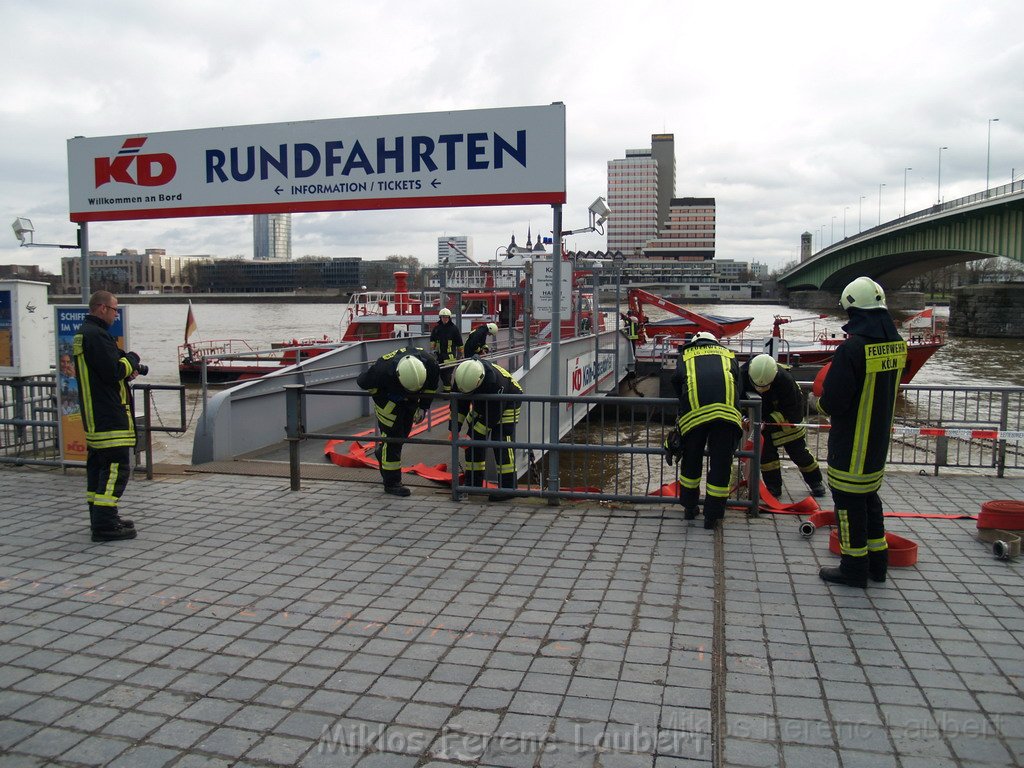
(150,170)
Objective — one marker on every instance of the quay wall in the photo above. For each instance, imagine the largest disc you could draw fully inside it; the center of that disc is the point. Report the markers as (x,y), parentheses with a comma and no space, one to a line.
(988,311)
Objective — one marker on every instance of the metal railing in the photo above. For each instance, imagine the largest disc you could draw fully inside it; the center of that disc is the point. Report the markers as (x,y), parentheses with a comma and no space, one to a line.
(934,428)
(30,421)
(614,454)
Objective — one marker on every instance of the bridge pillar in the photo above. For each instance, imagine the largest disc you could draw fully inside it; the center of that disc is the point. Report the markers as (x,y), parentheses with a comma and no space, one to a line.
(993,311)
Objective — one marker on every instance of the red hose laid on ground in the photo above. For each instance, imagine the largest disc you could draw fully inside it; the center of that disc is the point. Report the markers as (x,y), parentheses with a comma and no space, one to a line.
(1002,514)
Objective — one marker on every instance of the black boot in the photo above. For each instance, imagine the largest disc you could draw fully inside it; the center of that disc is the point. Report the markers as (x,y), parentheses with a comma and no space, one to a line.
(106,526)
(397,490)
(690,513)
(818,490)
(878,565)
(852,571)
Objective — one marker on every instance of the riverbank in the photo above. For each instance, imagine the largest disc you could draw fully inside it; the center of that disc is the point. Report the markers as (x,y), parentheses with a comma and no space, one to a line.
(322,297)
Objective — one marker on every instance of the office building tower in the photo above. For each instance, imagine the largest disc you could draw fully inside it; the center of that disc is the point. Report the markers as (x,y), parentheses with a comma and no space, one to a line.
(663,150)
(457,249)
(272,236)
(689,234)
(633,200)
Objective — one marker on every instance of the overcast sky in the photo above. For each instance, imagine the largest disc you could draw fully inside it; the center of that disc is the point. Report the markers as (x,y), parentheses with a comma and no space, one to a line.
(790,114)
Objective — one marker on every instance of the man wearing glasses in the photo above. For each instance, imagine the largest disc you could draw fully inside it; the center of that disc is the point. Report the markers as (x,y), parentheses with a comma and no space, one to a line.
(105,397)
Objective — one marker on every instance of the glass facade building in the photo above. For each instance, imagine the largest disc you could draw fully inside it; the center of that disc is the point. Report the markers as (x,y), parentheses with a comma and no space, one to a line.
(272,236)
(633,200)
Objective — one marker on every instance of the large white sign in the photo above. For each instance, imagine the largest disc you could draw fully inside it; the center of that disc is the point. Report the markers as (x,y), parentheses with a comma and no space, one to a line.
(543,289)
(509,156)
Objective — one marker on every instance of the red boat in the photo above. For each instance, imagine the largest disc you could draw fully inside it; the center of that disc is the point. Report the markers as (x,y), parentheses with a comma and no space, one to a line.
(400,313)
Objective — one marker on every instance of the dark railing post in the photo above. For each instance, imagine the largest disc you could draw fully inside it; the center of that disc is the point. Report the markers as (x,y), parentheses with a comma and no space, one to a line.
(147,423)
(295,426)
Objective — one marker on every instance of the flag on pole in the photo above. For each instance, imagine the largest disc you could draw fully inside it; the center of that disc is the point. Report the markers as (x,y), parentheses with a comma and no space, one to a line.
(190,323)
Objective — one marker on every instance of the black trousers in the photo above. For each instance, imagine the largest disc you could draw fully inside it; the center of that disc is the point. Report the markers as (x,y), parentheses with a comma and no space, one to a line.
(860,521)
(393,420)
(106,471)
(504,456)
(720,438)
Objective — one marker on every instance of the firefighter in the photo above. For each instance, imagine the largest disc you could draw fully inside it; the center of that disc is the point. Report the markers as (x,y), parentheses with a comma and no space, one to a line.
(476,342)
(446,344)
(781,403)
(631,328)
(859,397)
(706,382)
(402,384)
(488,420)
(105,400)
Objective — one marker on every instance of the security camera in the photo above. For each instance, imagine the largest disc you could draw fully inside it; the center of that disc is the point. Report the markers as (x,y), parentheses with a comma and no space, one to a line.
(600,210)
(22,227)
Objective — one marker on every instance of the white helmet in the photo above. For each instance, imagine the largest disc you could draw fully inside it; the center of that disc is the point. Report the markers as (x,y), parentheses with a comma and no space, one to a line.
(412,373)
(469,375)
(445,312)
(492,328)
(762,370)
(863,293)
(703,336)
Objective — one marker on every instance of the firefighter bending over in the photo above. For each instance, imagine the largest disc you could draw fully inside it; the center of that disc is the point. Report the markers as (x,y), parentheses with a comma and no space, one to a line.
(488,420)
(402,385)
(781,403)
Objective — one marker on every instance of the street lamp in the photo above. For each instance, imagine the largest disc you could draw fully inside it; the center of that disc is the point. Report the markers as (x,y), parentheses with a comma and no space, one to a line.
(832,240)
(845,209)
(908,168)
(860,210)
(938,195)
(988,151)
(880,204)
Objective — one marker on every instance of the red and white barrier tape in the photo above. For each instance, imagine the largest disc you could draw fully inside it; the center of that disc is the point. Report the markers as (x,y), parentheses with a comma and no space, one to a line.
(974,434)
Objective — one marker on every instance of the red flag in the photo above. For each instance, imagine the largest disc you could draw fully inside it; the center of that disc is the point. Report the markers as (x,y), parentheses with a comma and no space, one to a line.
(190,323)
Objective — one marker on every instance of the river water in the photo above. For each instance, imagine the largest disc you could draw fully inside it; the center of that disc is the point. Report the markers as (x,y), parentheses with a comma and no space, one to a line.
(156,330)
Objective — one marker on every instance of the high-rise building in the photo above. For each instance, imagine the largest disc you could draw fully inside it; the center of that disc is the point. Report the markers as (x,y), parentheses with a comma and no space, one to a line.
(458,249)
(640,191)
(663,150)
(272,236)
(689,234)
(633,200)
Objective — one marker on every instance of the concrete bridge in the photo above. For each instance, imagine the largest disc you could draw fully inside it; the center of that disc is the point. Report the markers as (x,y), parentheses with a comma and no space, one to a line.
(979,226)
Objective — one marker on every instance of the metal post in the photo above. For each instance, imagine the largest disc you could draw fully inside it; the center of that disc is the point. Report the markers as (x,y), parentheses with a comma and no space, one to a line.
(556,337)
(147,421)
(295,425)
(83,242)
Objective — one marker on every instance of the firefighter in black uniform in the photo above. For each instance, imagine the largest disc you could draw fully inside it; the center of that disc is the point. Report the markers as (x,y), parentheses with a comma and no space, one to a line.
(402,384)
(631,328)
(859,397)
(781,403)
(107,415)
(706,382)
(488,420)
(446,344)
(476,342)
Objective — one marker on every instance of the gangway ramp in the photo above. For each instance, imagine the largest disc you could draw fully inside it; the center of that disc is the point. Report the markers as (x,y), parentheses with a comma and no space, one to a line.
(247,423)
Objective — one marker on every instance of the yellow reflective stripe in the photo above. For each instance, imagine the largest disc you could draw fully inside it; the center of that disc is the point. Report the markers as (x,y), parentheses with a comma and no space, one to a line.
(691,375)
(509,463)
(854,483)
(877,545)
(718,491)
(807,468)
(689,482)
(385,414)
(843,521)
(480,428)
(475,466)
(770,465)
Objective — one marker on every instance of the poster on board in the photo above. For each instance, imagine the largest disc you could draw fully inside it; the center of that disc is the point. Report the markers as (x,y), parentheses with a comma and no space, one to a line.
(68,319)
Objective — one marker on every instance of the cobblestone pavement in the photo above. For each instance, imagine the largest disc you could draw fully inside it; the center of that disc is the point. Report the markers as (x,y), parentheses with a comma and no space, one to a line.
(248,625)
